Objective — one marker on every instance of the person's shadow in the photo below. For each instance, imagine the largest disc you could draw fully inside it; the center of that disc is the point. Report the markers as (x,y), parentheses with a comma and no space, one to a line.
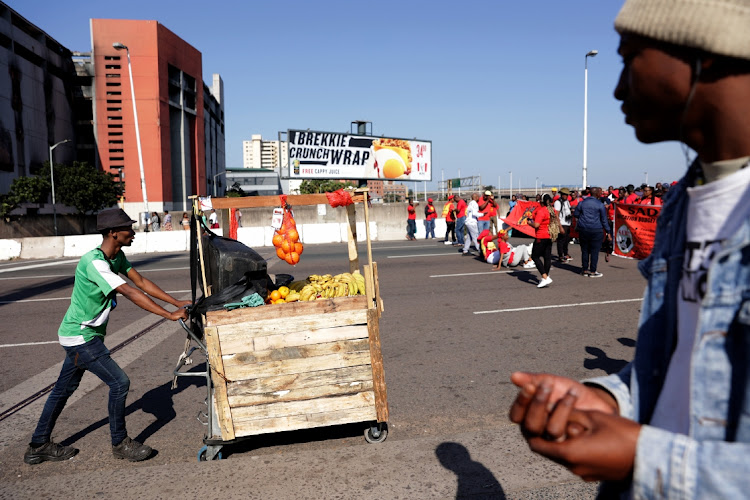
(475,481)
(158,402)
(603,362)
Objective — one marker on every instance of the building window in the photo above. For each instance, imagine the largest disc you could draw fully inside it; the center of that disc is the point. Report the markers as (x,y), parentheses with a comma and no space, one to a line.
(114,133)
(115,142)
(111,58)
(114,101)
(111,66)
(114,125)
(114,92)
(114,84)
(116,110)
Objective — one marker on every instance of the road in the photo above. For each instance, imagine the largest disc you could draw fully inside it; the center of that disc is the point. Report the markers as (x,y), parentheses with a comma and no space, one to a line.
(452,332)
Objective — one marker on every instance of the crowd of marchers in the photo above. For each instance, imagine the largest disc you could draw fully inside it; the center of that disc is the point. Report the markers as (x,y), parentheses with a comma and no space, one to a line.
(472,225)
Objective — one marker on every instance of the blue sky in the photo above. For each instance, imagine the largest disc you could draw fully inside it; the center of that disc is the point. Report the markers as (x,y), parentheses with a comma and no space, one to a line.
(497,86)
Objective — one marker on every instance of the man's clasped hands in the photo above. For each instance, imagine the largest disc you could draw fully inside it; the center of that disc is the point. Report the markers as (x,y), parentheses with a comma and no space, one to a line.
(575,425)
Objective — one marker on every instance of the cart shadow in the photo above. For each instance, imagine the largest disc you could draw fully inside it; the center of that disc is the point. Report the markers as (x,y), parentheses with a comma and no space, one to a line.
(474,479)
(157,402)
(298,437)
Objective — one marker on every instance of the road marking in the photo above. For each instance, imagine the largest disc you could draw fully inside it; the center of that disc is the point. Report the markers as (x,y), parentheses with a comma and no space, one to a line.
(404,246)
(142,271)
(421,255)
(35,266)
(30,343)
(51,299)
(519,309)
(469,274)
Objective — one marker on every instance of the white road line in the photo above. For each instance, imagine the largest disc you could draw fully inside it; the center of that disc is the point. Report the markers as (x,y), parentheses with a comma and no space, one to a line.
(422,255)
(51,299)
(35,266)
(404,246)
(142,271)
(469,274)
(30,343)
(519,309)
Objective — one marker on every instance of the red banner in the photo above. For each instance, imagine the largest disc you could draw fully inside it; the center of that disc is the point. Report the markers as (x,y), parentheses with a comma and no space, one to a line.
(635,228)
(518,218)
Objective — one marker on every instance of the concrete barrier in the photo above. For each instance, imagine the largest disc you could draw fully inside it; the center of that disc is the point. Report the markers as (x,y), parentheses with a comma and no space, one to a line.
(315,226)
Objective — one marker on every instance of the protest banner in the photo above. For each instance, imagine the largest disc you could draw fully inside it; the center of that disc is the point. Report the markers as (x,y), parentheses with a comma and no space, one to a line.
(635,228)
(519,217)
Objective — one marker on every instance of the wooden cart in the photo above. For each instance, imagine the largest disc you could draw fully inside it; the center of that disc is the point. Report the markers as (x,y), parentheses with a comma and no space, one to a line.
(297,365)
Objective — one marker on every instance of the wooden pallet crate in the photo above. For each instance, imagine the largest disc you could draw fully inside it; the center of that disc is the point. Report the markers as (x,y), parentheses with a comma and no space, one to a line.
(299,365)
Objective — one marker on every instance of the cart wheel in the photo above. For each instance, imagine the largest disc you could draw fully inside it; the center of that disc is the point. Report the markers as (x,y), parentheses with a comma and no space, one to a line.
(203,455)
(376,433)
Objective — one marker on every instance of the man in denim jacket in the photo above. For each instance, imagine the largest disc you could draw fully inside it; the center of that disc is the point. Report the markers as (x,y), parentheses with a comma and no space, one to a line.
(675,423)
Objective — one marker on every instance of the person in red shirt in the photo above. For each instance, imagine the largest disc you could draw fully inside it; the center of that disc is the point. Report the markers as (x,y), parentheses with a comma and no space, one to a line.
(460,220)
(631,197)
(430,214)
(411,221)
(503,253)
(486,203)
(449,211)
(541,253)
(649,197)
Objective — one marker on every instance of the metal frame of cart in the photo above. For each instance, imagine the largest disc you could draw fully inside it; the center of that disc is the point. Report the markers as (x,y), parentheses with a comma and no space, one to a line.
(298,365)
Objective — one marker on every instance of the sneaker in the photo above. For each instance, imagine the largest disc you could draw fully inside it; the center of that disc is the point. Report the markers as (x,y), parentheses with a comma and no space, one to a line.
(596,274)
(585,274)
(567,258)
(50,451)
(529,265)
(447,243)
(466,254)
(131,450)
(545,282)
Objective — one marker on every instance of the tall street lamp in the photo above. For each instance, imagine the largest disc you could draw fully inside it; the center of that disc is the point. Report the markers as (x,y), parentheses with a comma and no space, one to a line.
(52,179)
(215,176)
(121,46)
(591,53)
(510,185)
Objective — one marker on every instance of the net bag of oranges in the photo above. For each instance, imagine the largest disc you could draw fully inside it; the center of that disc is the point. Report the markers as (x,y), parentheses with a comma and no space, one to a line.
(286,237)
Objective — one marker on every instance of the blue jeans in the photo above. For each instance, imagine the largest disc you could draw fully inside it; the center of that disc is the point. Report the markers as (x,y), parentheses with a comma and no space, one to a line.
(429,228)
(482,225)
(591,244)
(94,357)
(411,228)
(460,223)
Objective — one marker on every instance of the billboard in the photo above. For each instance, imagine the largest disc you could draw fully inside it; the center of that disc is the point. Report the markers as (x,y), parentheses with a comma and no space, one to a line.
(332,155)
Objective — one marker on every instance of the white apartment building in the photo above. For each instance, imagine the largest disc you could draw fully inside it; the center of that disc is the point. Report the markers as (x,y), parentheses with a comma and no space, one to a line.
(257,153)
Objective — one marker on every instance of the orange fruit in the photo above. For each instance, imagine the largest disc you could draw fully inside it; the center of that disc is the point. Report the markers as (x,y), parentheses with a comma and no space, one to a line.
(298,248)
(293,235)
(277,239)
(286,245)
(275,295)
(292,258)
(279,301)
(280,254)
(283,291)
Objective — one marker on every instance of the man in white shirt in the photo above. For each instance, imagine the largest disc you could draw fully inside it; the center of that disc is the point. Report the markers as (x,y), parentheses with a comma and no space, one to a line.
(472,227)
(564,213)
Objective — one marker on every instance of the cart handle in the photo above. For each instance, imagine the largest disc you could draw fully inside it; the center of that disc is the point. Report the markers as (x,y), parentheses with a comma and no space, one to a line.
(192,335)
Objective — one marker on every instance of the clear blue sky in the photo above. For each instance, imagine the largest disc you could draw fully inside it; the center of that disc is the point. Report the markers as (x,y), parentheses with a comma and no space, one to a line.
(496,85)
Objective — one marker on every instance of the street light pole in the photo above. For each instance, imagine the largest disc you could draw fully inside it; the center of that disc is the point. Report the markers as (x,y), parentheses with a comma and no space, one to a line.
(215,176)
(52,179)
(121,46)
(591,53)
(510,185)
(646,173)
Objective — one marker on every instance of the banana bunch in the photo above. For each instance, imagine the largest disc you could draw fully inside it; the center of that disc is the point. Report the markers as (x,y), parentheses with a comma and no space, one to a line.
(297,286)
(327,286)
(292,297)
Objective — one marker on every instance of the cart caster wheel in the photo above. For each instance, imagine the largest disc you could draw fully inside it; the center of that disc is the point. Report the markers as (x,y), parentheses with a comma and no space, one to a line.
(376,433)
(203,455)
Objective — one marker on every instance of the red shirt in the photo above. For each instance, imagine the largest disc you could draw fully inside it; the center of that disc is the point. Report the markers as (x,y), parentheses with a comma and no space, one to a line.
(461,208)
(574,203)
(647,201)
(541,217)
(431,212)
(487,212)
(631,198)
(412,213)
(449,215)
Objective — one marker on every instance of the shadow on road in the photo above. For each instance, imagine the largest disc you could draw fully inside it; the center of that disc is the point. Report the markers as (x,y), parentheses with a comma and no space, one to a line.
(475,481)
(157,402)
(603,362)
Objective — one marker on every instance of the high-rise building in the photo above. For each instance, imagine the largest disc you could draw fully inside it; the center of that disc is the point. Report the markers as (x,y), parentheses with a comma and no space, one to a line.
(171,107)
(269,155)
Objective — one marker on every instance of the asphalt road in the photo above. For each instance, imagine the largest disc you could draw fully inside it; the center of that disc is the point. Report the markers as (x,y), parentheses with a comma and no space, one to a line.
(452,333)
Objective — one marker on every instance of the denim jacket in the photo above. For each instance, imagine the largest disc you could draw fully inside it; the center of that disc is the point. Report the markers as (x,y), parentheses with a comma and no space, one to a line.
(713,460)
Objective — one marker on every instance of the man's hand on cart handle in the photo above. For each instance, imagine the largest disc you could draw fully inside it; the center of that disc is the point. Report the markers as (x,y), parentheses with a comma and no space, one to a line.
(180,313)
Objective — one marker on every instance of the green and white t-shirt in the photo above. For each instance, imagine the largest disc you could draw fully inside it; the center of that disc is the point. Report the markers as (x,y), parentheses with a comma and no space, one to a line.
(93,297)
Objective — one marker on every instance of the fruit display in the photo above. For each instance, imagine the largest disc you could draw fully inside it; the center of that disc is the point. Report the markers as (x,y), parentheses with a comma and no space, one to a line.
(327,286)
(286,239)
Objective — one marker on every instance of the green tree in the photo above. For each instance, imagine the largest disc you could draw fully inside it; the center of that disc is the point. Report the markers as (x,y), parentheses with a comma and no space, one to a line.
(33,189)
(313,186)
(235,191)
(86,188)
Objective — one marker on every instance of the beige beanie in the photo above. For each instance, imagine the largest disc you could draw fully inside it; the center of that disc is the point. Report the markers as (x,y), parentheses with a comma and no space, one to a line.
(717,26)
